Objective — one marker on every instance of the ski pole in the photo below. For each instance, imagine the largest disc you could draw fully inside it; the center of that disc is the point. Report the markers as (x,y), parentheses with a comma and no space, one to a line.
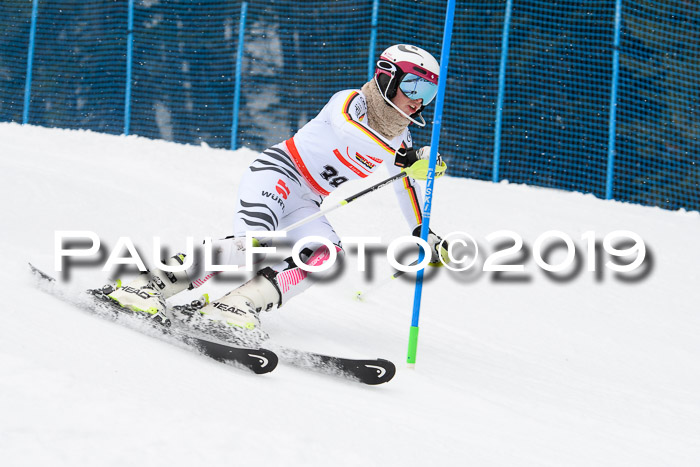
(361,296)
(346,201)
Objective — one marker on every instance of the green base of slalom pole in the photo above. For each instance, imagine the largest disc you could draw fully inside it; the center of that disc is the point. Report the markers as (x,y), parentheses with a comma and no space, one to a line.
(412,346)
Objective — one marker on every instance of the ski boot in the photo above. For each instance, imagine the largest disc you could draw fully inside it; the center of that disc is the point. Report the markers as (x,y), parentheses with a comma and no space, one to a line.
(145,296)
(234,318)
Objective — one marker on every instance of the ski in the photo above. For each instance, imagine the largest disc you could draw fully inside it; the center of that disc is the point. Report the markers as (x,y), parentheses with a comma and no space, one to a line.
(367,371)
(258,360)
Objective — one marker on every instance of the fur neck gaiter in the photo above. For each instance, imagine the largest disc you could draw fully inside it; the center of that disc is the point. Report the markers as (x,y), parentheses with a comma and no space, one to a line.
(382,117)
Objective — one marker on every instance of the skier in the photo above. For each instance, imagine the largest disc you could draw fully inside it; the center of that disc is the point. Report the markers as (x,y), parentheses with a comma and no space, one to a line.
(350,138)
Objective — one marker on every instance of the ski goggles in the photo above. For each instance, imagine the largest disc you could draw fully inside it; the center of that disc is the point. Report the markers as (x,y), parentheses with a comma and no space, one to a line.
(416,87)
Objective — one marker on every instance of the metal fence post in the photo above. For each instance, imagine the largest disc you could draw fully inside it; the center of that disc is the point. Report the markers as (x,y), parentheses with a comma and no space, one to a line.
(237,87)
(30,61)
(501,93)
(129,64)
(613,101)
(372,40)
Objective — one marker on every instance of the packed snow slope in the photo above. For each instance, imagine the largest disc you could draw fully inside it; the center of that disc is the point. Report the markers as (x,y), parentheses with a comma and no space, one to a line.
(515,369)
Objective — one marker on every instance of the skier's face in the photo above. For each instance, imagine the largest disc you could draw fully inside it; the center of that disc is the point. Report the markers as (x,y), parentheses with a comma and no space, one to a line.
(407,105)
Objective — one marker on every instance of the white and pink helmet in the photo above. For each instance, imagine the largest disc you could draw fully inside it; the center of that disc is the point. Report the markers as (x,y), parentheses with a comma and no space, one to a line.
(411,69)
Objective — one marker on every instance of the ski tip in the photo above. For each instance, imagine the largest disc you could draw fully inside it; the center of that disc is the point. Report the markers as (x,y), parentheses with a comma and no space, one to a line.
(378,372)
(266,361)
(38,272)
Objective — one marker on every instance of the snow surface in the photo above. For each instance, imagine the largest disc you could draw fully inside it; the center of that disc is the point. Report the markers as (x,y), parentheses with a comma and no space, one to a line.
(590,371)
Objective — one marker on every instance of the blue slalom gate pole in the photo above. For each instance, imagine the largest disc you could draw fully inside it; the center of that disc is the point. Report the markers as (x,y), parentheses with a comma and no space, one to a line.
(434,142)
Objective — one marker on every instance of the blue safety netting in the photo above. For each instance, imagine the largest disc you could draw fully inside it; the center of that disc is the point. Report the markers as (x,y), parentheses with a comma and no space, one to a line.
(14,34)
(557,95)
(78,71)
(528,94)
(658,114)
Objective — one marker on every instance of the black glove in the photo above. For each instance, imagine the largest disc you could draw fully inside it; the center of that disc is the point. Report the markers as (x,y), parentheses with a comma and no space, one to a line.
(416,163)
(405,157)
